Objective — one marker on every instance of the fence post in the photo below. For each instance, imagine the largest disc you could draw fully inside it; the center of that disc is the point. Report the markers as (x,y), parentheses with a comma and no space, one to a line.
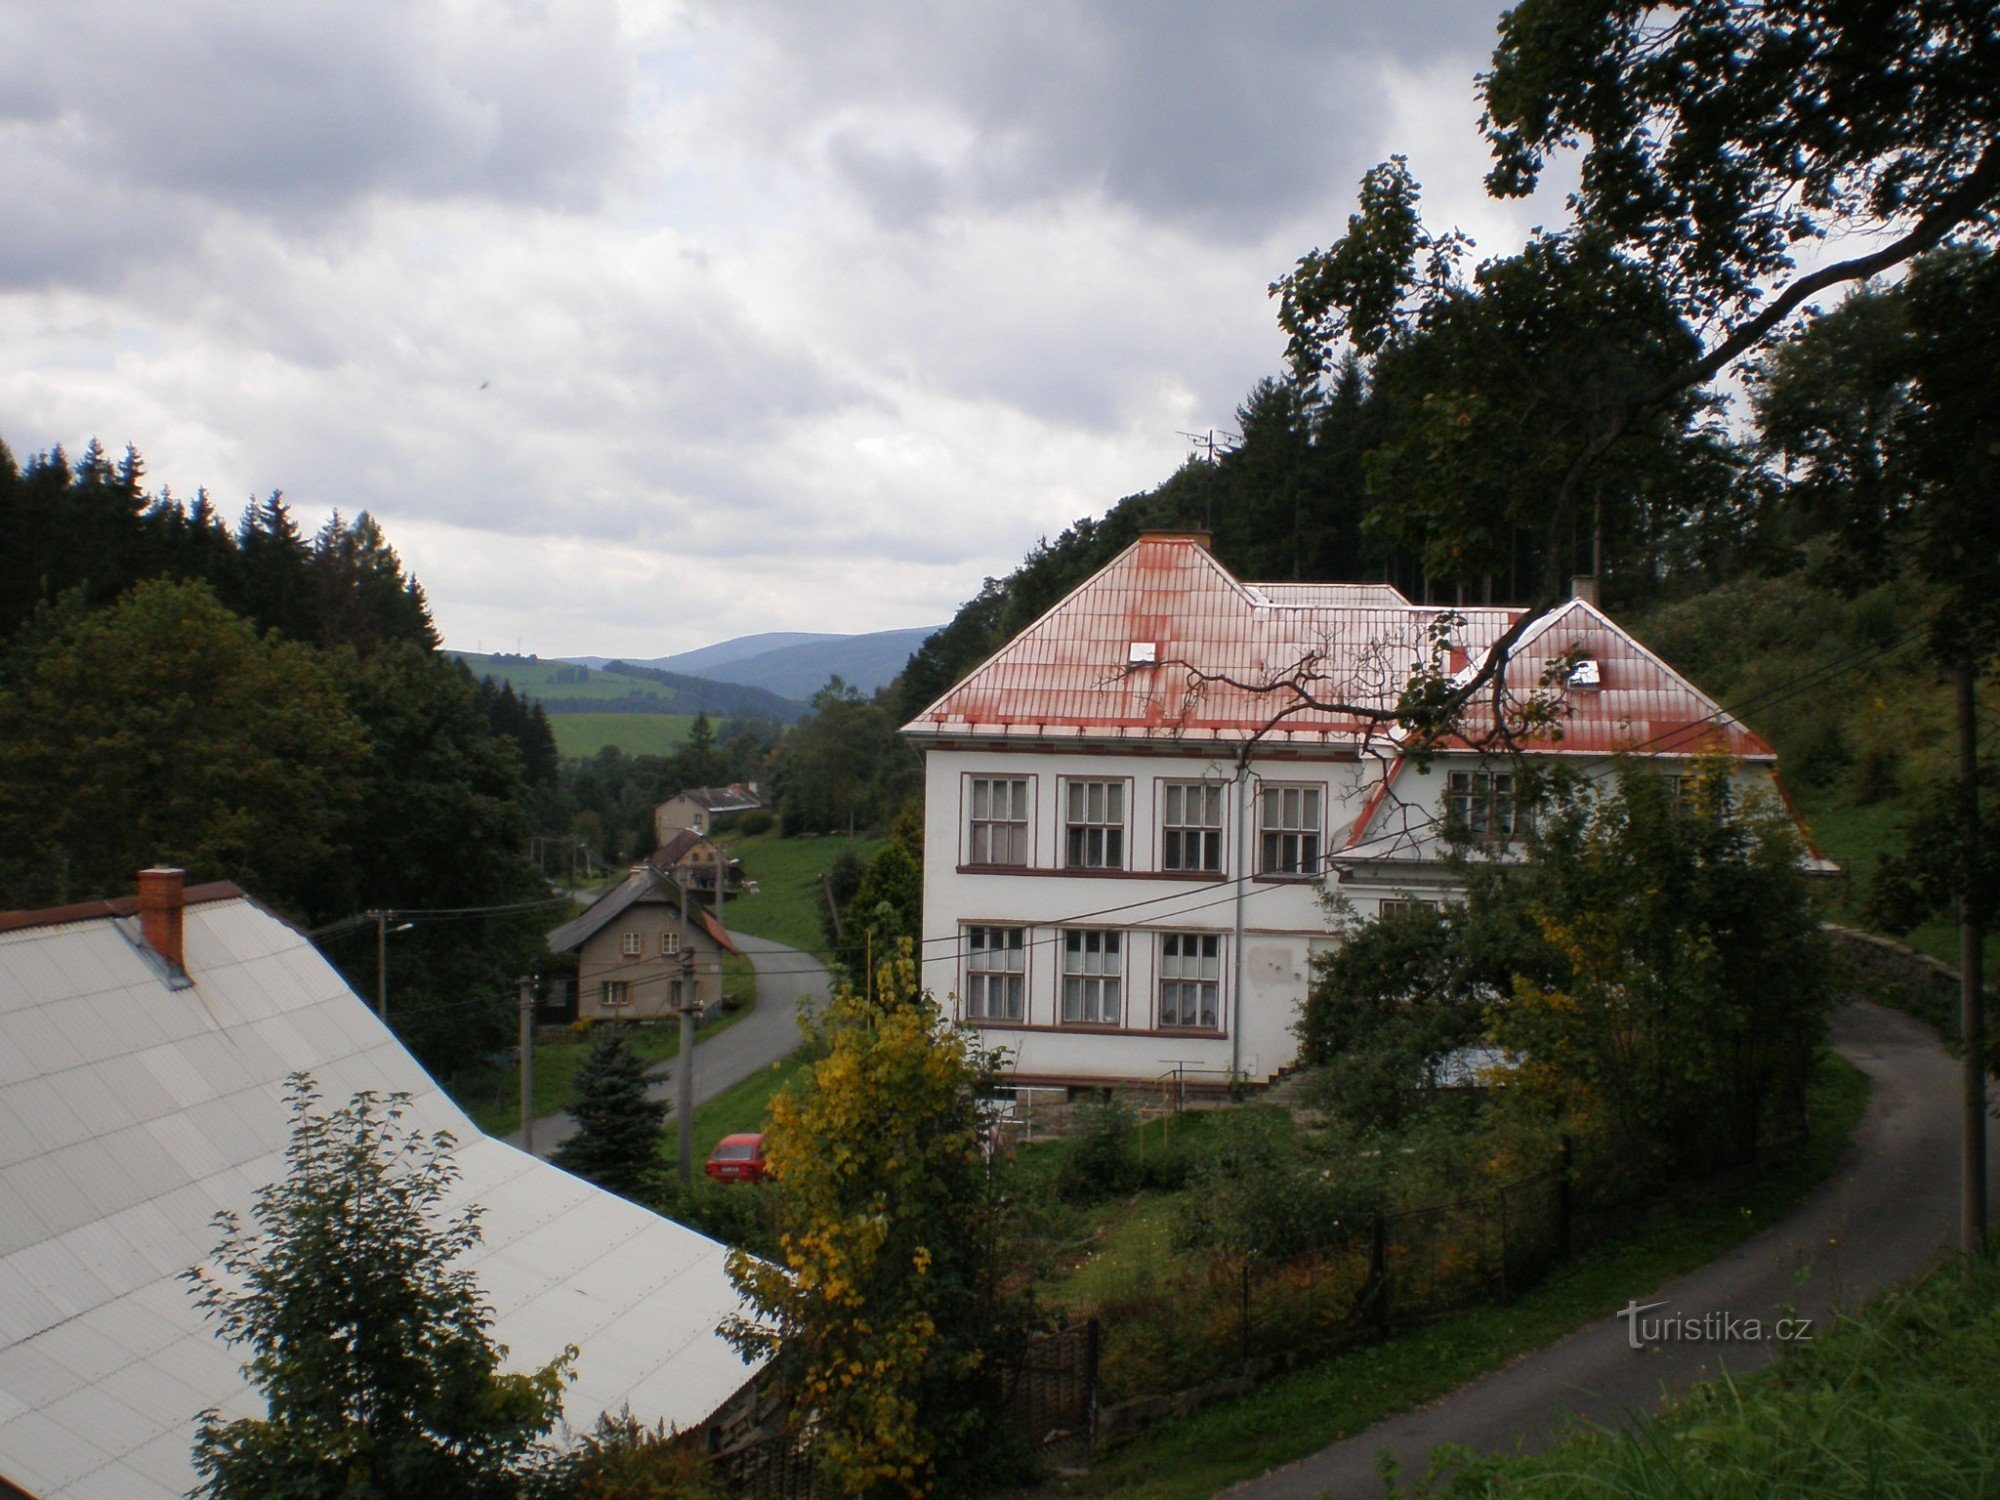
(1565,1204)
(1243,1311)
(1378,1271)
(1090,1344)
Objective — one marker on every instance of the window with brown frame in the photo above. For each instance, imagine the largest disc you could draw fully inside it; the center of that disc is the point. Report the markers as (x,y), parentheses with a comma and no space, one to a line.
(1191,826)
(1093,967)
(1481,805)
(1094,825)
(1288,822)
(997,820)
(1190,980)
(996,973)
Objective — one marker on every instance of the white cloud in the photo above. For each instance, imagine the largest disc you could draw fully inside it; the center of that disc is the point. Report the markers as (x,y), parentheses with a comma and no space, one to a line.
(643,326)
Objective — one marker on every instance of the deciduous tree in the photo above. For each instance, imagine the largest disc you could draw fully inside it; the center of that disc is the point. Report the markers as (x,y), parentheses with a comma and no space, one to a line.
(884,1305)
(372,1349)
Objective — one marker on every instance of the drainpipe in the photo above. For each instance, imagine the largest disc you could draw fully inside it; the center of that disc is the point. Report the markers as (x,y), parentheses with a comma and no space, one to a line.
(1242,888)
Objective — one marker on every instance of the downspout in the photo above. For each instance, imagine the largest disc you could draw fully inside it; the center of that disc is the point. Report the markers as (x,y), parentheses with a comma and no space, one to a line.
(1242,887)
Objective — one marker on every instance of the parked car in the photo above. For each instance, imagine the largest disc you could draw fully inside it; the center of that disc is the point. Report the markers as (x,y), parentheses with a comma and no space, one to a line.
(738,1158)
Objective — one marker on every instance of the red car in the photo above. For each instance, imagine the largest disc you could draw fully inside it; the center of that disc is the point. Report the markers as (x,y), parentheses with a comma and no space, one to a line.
(738,1158)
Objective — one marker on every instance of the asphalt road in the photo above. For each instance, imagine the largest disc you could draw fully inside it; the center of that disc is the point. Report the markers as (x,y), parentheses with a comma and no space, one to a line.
(785,977)
(1881,1218)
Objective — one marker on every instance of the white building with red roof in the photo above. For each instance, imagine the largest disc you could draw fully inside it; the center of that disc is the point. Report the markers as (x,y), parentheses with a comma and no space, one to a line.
(1131,821)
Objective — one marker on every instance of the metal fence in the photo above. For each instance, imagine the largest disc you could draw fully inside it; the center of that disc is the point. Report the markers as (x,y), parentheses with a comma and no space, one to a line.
(1240,1312)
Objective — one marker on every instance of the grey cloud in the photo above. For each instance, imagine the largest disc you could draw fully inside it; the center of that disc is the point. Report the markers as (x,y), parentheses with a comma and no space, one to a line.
(297,113)
(1216,119)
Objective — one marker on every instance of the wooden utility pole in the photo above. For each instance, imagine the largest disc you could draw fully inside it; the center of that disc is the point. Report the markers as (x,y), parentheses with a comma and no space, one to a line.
(684,1074)
(1971,978)
(528,1065)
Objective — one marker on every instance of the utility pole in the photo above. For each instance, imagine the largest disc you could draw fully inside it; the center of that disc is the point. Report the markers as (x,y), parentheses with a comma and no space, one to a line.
(528,1065)
(684,1074)
(381,963)
(1971,980)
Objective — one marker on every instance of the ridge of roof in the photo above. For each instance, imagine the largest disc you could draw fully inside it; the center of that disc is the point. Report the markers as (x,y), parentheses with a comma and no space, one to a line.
(634,888)
(114,906)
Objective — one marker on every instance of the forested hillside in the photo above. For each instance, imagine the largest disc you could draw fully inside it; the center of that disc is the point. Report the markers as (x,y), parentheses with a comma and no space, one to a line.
(1779,559)
(256,705)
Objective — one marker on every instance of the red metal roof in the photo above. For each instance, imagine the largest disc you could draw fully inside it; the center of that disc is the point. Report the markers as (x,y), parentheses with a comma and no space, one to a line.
(1223,651)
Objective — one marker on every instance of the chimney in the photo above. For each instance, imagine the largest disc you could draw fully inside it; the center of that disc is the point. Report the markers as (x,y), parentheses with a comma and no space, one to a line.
(161,906)
(1584,586)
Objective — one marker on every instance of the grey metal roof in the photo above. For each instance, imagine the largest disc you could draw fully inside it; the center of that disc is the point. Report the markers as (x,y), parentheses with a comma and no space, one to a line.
(131,1112)
(641,885)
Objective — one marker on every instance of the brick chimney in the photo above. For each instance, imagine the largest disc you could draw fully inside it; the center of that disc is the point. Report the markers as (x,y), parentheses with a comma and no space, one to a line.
(1584,586)
(161,906)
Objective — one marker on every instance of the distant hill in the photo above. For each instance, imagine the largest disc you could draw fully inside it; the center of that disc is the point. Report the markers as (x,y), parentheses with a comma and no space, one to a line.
(793,664)
(629,687)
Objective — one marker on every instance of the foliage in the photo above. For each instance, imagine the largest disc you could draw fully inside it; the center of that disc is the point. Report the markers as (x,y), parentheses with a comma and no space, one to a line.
(1278,1194)
(743,1216)
(1100,1161)
(623,1459)
(887,905)
(844,768)
(617,1139)
(1884,413)
(1386,1007)
(1684,978)
(883,1305)
(372,1349)
(176,734)
(1879,1404)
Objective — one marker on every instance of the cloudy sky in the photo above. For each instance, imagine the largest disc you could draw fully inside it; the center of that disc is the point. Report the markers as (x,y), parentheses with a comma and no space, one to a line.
(640,325)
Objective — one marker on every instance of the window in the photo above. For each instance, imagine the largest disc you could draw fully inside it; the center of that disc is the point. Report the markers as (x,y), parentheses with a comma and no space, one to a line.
(1092,963)
(1191,826)
(998,828)
(1480,804)
(616,992)
(1190,979)
(1288,817)
(1094,825)
(670,942)
(996,966)
(1393,904)
(631,944)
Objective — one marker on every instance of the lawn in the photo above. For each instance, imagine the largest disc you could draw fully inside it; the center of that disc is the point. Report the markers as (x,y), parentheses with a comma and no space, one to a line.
(491,1092)
(1302,1411)
(1855,837)
(787,871)
(585,734)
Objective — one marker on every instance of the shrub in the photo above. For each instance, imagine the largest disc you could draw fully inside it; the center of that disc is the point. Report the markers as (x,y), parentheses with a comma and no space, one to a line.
(1269,1192)
(1100,1162)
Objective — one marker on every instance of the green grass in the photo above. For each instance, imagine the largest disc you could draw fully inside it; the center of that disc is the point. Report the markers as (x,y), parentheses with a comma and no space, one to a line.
(1303,1411)
(584,734)
(740,1107)
(491,1092)
(1897,1401)
(787,871)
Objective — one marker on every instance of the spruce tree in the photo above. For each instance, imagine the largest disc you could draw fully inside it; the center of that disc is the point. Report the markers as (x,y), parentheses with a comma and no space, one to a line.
(617,1140)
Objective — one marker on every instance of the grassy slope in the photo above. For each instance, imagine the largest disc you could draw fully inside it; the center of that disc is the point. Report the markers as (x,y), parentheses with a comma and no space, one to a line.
(584,734)
(787,871)
(1861,720)
(1301,1412)
(1898,1401)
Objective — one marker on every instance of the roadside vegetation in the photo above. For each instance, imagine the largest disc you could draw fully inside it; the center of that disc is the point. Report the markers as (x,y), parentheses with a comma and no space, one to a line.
(1897,1400)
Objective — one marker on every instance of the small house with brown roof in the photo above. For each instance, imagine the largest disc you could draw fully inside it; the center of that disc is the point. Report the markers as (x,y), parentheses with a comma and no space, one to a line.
(699,806)
(642,951)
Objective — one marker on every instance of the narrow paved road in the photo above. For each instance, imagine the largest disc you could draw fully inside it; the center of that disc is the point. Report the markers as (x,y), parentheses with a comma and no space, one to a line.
(785,977)
(1881,1218)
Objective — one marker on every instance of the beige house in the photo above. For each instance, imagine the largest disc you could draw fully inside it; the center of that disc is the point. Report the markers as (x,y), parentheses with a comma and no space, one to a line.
(638,950)
(689,861)
(698,807)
